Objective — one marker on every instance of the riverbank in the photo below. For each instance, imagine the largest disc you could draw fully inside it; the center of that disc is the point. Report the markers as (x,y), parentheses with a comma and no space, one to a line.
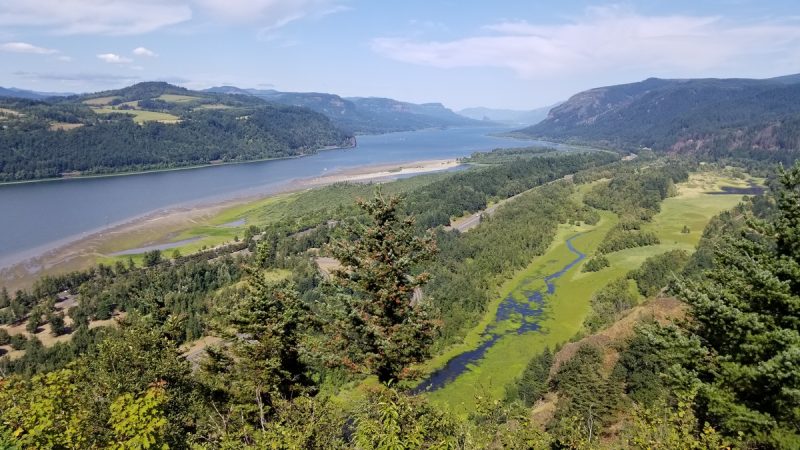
(66,177)
(169,225)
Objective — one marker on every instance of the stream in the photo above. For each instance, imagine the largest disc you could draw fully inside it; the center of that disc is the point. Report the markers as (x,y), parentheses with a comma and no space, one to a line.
(530,311)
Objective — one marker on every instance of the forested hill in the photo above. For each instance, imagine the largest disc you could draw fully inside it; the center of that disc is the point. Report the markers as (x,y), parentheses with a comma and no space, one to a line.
(151,125)
(363,115)
(718,117)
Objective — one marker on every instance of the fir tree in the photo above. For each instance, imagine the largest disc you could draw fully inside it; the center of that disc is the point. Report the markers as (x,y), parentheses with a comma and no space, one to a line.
(383,331)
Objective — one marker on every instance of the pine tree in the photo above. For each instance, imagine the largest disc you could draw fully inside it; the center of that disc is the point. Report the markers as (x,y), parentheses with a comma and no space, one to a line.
(747,314)
(382,331)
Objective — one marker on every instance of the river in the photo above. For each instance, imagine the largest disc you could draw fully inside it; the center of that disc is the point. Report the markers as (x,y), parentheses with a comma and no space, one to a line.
(38,216)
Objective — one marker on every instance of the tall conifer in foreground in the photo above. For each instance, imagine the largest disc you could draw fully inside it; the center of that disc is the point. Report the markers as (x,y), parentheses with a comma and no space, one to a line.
(746,323)
(382,330)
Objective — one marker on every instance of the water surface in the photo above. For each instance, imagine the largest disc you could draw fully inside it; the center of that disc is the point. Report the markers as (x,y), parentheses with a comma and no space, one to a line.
(37,216)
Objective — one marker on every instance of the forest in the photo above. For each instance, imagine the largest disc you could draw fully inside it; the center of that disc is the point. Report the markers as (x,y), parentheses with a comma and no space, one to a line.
(304,359)
(73,136)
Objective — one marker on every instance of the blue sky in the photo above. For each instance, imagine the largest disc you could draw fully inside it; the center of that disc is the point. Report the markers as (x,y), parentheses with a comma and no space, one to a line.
(512,54)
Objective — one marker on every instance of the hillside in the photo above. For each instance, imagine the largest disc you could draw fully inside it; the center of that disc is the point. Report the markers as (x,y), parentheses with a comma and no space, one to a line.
(151,126)
(363,115)
(717,117)
(509,116)
(31,95)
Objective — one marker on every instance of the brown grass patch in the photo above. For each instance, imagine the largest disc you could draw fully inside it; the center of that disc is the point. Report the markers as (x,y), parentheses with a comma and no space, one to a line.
(662,310)
(64,126)
(100,101)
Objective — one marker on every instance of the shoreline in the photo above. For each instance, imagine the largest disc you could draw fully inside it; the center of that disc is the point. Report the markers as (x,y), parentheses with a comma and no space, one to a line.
(161,226)
(171,169)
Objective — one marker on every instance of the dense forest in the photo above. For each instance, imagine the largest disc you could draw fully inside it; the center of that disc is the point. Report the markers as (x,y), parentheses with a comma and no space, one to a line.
(151,126)
(301,359)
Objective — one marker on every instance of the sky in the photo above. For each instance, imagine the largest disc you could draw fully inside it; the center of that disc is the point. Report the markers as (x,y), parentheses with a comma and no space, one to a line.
(493,53)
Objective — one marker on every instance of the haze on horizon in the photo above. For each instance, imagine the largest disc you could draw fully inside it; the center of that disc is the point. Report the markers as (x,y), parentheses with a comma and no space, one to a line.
(510,54)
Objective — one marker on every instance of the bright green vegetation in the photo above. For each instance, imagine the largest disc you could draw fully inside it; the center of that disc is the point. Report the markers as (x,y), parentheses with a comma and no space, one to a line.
(140,116)
(569,307)
(596,264)
(562,319)
(152,126)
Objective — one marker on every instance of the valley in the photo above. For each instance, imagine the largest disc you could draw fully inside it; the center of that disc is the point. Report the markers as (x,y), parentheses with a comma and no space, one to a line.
(353,225)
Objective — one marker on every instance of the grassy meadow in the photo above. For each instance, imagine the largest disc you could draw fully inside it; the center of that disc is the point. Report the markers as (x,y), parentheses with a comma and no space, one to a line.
(567,308)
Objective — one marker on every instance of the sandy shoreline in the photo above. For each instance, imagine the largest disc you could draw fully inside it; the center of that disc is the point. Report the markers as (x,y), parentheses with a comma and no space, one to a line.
(81,251)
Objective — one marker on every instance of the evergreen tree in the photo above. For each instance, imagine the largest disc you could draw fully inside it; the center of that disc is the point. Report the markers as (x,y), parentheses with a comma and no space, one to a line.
(5,299)
(747,315)
(383,331)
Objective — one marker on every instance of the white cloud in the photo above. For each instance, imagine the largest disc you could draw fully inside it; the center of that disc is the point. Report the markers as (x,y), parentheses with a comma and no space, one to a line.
(141,51)
(112,17)
(64,58)
(604,39)
(127,17)
(269,14)
(113,58)
(24,47)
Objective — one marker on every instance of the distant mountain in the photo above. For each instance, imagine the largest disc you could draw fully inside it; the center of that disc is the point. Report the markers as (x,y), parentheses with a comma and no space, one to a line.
(722,117)
(509,116)
(152,125)
(30,95)
(363,115)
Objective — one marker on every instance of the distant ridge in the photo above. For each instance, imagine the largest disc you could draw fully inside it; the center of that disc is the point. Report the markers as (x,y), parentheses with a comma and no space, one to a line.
(508,116)
(30,95)
(363,115)
(720,117)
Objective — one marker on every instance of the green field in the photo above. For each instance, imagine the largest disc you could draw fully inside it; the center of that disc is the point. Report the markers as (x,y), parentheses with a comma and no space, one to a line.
(175,98)
(141,116)
(567,308)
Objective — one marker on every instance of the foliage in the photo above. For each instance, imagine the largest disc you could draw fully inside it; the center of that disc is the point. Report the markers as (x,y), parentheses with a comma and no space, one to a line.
(596,264)
(662,426)
(608,303)
(745,321)
(139,423)
(152,258)
(472,190)
(382,329)
(389,420)
(619,238)
(657,271)
(465,271)
(584,392)
(636,196)
(533,383)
